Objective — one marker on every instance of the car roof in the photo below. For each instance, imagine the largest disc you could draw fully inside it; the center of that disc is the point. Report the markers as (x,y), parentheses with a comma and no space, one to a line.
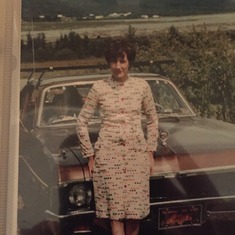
(93,77)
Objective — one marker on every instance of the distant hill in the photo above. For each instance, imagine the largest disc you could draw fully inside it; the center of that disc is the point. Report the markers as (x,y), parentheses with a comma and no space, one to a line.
(81,8)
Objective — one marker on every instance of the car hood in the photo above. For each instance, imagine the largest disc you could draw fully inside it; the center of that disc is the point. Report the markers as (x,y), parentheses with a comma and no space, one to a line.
(193,144)
(198,135)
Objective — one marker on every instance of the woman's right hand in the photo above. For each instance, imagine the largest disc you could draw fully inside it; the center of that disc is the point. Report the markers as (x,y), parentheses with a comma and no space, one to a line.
(151,162)
(91,165)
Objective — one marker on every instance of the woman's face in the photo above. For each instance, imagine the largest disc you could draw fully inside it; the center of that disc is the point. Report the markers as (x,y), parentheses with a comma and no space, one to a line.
(119,68)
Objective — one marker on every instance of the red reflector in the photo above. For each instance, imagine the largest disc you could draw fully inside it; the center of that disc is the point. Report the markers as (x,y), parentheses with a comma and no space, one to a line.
(81,229)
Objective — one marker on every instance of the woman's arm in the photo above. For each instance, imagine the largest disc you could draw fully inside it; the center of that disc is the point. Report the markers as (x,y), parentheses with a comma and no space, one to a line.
(151,119)
(88,109)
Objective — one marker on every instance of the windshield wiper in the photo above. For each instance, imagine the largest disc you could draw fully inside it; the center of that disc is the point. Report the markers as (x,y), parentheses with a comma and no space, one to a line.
(169,116)
(63,119)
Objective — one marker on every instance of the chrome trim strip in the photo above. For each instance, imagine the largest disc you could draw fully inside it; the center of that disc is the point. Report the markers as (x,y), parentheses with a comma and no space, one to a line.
(193,171)
(82,232)
(70,215)
(220,212)
(193,200)
(221,215)
(77,181)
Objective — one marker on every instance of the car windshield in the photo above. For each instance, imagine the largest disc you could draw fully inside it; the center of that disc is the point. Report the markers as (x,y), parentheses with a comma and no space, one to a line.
(168,101)
(62,104)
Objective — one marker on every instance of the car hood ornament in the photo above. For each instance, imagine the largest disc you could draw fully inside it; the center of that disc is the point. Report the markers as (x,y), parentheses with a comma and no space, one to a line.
(163,136)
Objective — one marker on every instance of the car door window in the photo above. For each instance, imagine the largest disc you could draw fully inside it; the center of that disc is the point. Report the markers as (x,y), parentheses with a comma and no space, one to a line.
(62,104)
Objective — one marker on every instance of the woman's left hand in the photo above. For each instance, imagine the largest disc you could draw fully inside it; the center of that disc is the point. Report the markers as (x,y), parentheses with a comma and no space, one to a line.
(151,162)
(91,165)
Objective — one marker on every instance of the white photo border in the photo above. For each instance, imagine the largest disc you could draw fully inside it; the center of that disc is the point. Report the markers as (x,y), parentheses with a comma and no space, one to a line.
(10,31)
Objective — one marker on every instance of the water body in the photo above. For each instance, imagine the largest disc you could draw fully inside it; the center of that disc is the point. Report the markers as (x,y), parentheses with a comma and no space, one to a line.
(143,26)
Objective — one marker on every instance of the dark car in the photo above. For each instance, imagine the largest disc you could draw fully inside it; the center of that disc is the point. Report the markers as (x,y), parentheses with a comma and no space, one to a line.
(193,174)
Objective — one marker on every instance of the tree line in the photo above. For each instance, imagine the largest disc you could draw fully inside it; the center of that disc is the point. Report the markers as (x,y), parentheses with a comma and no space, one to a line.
(204,61)
(68,47)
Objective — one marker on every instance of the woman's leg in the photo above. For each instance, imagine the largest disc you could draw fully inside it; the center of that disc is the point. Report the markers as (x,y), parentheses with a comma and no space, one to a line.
(132,227)
(117,227)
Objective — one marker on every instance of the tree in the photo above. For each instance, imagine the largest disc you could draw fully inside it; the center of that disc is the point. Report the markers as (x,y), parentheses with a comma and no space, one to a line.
(204,68)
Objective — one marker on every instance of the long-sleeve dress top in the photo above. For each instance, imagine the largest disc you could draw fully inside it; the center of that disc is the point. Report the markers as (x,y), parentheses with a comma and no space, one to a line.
(122,106)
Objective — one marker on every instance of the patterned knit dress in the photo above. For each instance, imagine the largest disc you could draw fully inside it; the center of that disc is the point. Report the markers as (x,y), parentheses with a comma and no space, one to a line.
(121,170)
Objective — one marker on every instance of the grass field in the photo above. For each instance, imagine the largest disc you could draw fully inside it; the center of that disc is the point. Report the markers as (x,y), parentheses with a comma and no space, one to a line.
(220,19)
(117,27)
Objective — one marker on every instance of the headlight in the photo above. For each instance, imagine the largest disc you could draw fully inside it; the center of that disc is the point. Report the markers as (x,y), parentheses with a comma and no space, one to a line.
(80,195)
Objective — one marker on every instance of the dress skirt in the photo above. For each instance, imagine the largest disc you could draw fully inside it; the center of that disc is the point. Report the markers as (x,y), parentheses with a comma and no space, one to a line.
(121,182)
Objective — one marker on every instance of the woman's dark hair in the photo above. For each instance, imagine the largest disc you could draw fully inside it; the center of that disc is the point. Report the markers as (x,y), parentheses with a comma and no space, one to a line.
(116,48)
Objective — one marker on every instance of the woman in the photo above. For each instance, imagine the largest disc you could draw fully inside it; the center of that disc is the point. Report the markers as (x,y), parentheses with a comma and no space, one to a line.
(122,158)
